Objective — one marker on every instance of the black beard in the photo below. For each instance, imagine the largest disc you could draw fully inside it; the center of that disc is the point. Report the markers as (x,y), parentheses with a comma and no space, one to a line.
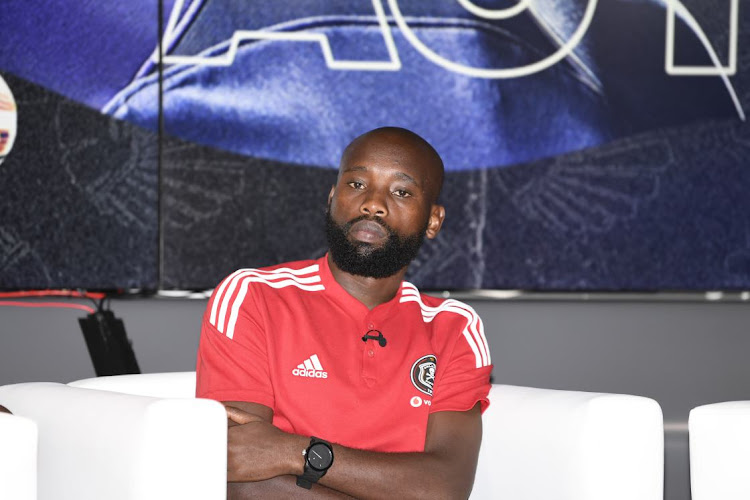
(365,259)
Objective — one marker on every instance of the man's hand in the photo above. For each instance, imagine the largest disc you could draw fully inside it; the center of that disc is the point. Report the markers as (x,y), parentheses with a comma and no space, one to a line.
(257,450)
(4,409)
(245,420)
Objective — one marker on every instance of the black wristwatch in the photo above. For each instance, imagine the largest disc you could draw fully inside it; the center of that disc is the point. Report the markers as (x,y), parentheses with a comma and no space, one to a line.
(318,459)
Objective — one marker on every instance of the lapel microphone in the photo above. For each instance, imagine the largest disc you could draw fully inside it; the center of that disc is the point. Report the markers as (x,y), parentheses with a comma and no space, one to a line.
(381,340)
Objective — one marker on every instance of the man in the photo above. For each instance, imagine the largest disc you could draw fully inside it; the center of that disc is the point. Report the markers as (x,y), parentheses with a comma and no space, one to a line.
(336,370)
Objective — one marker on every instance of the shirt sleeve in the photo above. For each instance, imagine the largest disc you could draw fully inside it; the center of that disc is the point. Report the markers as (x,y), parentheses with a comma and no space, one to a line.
(463,366)
(232,362)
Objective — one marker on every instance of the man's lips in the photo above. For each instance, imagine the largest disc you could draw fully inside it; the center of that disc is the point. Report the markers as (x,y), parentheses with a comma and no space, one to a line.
(368,231)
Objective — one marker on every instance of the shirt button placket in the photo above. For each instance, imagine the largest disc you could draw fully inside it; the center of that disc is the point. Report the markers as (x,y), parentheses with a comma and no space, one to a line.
(369,363)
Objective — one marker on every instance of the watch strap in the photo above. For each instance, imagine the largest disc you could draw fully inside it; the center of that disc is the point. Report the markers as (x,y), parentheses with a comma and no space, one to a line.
(310,476)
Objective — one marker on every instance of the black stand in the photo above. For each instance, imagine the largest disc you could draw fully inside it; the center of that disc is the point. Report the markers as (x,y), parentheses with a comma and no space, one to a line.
(109,347)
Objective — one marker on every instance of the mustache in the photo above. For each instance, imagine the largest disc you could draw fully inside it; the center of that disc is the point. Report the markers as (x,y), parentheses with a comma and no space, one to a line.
(374,219)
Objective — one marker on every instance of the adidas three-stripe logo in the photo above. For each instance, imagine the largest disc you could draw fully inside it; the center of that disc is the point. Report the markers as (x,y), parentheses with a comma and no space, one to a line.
(473,332)
(310,367)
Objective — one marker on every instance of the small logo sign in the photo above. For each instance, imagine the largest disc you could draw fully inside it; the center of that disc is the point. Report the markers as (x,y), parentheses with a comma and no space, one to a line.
(311,368)
(7,119)
(423,373)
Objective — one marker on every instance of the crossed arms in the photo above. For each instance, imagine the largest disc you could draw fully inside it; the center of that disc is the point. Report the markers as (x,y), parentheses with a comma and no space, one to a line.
(263,460)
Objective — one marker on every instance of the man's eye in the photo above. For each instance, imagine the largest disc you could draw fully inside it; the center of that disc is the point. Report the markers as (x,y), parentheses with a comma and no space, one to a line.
(356,185)
(401,193)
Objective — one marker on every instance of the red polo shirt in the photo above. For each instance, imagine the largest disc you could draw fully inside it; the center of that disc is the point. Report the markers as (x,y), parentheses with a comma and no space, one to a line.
(290,337)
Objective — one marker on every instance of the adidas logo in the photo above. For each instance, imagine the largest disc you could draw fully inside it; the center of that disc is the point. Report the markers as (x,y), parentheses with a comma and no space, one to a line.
(310,367)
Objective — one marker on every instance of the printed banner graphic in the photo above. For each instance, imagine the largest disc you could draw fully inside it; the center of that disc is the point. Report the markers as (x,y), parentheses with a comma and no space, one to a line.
(589,144)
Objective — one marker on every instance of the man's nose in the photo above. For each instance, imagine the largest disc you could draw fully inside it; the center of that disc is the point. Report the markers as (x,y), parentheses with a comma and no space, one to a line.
(374,205)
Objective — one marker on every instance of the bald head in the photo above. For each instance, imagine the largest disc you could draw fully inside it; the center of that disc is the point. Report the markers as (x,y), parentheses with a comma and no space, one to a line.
(411,146)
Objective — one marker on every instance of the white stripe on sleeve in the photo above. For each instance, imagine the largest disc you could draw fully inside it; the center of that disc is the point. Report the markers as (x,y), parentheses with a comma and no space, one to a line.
(473,331)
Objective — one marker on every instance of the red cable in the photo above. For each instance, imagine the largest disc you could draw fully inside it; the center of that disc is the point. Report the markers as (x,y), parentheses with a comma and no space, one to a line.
(63,305)
(55,293)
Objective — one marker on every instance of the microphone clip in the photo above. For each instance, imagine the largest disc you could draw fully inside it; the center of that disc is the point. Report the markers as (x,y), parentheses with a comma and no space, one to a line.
(379,337)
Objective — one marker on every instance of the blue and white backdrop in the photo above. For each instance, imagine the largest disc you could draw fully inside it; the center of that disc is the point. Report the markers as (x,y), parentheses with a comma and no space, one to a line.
(590,144)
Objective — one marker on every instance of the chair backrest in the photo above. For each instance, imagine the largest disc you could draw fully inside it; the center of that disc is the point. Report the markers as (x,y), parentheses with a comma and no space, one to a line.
(158,385)
(566,445)
(18,457)
(96,444)
(720,451)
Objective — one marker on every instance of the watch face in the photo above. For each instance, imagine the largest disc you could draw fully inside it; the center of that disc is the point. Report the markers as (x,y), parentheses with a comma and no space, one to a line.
(319,457)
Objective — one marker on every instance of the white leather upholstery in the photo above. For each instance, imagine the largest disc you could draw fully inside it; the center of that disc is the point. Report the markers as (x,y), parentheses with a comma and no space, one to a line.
(96,445)
(18,450)
(565,445)
(537,443)
(720,451)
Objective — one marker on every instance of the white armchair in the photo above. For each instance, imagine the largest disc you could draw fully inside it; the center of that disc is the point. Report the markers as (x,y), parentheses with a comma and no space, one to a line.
(18,451)
(720,451)
(96,445)
(537,444)
(567,445)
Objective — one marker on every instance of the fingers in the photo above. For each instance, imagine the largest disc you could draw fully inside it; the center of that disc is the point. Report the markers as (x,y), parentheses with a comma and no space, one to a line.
(239,416)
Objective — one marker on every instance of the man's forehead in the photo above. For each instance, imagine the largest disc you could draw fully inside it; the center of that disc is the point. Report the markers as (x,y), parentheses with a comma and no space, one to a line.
(408,157)
(382,143)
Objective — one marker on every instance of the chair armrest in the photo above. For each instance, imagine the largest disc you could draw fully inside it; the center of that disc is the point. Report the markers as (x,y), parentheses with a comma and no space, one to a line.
(18,449)
(568,445)
(159,385)
(98,444)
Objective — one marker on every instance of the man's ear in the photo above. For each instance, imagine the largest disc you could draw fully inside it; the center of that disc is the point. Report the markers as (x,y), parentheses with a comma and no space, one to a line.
(437,216)
(330,195)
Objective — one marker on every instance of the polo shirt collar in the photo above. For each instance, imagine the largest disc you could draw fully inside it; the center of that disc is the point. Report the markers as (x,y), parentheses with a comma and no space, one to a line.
(338,293)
